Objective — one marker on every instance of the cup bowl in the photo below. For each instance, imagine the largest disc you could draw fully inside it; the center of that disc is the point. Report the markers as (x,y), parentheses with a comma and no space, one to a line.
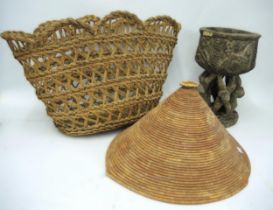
(227,51)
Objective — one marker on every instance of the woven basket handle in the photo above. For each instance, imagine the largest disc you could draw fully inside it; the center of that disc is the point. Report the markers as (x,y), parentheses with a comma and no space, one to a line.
(18,41)
(17,36)
(123,16)
(164,21)
(50,27)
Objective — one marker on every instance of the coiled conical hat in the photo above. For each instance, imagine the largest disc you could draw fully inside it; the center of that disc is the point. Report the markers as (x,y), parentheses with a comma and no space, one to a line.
(179,153)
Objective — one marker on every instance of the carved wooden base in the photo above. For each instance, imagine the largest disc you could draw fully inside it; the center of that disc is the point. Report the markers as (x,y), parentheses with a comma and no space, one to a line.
(221,93)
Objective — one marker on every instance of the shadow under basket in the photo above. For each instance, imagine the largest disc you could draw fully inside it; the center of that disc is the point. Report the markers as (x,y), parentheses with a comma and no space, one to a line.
(97,74)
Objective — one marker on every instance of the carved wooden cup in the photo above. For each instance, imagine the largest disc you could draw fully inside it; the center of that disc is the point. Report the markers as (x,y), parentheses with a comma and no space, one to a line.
(225,53)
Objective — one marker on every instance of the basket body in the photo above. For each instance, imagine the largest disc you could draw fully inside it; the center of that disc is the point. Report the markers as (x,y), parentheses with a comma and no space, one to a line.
(97,74)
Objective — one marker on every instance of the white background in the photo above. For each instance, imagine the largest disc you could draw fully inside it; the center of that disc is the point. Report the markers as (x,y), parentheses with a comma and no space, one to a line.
(40,168)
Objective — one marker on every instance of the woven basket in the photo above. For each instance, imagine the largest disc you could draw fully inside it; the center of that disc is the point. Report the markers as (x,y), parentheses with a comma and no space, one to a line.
(97,74)
(179,153)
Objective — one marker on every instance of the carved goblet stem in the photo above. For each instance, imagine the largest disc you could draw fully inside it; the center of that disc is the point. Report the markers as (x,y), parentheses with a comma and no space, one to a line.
(221,93)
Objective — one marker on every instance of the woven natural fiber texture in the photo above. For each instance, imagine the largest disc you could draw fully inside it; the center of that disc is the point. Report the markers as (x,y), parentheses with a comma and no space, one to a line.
(97,74)
(179,153)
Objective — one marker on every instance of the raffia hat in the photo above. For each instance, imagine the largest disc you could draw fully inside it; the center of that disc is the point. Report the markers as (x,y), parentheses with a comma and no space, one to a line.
(179,153)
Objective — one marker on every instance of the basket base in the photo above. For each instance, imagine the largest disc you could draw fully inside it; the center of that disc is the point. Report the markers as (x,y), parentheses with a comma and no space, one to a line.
(97,129)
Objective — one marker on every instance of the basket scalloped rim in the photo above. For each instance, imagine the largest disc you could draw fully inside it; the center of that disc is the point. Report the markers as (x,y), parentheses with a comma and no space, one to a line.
(44,30)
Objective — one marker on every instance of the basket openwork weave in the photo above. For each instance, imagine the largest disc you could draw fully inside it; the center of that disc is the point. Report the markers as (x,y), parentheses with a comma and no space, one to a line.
(180,153)
(97,74)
